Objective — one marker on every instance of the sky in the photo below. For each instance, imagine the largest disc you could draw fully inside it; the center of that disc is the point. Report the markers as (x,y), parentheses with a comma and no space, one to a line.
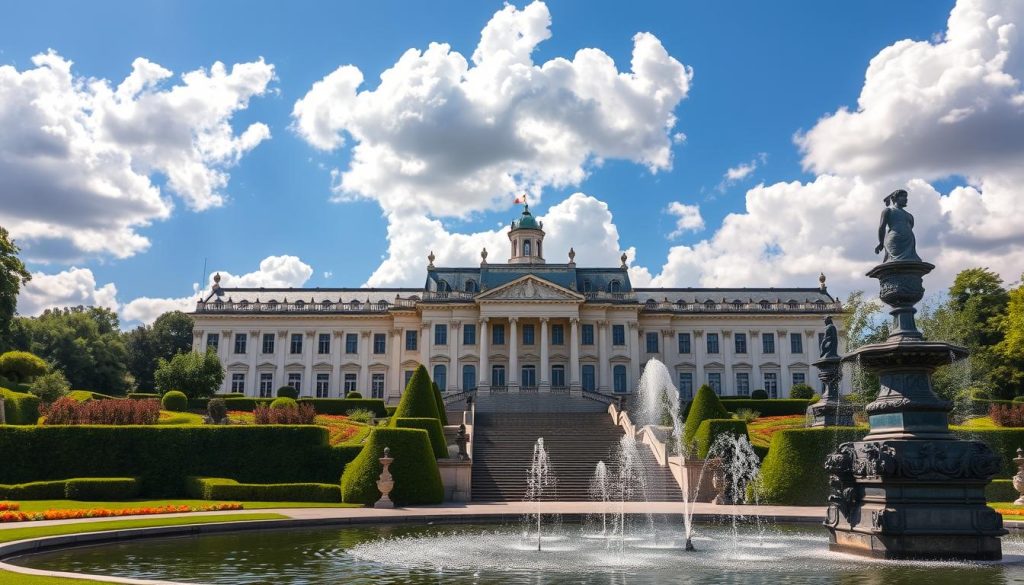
(336,144)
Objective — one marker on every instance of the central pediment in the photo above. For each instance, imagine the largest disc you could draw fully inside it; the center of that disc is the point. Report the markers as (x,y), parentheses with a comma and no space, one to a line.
(530,288)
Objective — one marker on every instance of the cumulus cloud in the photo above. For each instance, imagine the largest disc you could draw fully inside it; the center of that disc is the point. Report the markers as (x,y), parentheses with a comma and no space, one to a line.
(448,136)
(78,155)
(69,288)
(741,171)
(688,218)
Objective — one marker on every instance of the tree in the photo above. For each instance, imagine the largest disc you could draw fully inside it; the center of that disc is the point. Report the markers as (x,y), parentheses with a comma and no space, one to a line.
(978,295)
(49,387)
(195,374)
(169,335)
(13,276)
(1012,325)
(21,366)
(863,324)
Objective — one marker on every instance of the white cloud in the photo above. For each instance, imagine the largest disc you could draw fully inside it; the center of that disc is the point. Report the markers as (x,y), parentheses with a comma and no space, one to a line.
(741,171)
(69,288)
(688,218)
(449,136)
(78,155)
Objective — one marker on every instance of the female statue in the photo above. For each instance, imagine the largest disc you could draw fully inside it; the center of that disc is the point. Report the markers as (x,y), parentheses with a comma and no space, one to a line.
(830,341)
(896,230)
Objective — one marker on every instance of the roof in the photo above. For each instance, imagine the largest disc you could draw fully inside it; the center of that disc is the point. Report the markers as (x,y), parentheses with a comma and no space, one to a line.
(489,276)
(731,295)
(527,221)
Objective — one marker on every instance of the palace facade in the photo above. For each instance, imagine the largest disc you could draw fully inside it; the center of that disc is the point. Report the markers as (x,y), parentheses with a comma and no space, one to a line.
(521,326)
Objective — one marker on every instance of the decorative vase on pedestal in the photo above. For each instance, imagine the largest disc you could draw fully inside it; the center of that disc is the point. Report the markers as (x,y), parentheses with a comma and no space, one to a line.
(385,484)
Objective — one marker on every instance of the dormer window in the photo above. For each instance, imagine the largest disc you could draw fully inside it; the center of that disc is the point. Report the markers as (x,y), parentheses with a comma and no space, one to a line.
(765,305)
(472,286)
(272,305)
(793,304)
(243,305)
(709,304)
(681,304)
(587,287)
(650,303)
(614,286)
(326,305)
(300,304)
(443,286)
(354,305)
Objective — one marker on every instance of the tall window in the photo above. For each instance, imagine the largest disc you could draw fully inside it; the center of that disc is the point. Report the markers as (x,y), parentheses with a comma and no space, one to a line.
(619,379)
(351,383)
(379,343)
(796,343)
(240,342)
(323,343)
(440,334)
(411,337)
(238,383)
(528,334)
(684,343)
(498,334)
(212,341)
(799,378)
(618,335)
(441,377)
(526,247)
(652,341)
(685,385)
(529,379)
(497,375)
(771,384)
(351,343)
(558,376)
(742,384)
(266,385)
(587,334)
(715,381)
(268,343)
(296,345)
(740,340)
(469,377)
(469,334)
(558,335)
(323,385)
(712,343)
(589,378)
(295,381)
(768,343)
(377,385)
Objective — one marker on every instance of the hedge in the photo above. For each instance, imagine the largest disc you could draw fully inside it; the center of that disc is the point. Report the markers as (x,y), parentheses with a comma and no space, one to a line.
(770,407)
(287,392)
(143,396)
(433,428)
(417,478)
(174,401)
(705,405)
(1003,441)
(711,428)
(793,473)
(1001,490)
(344,405)
(35,490)
(215,488)
(418,400)
(442,410)
(284,402)
(391,410)
(90,489)
(243,404)
(163,456)
(19,408)
(84,395)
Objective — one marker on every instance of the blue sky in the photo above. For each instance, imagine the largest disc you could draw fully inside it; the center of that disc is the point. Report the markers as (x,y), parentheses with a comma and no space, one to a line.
(762,72)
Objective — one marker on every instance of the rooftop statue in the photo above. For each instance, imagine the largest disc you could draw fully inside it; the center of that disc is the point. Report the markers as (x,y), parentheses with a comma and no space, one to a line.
(830,342)
(896,230)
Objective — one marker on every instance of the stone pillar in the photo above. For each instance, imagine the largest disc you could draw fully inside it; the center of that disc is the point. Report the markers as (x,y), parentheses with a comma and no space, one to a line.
(454,339)
(484,376)
(700,352)
(782,348)
(197,341)
(281,350)
(633,337)
(575,386)
(224,352)
(604,370)
(254,347)
(513,354)
(545,358)
(309,350)
(427,346)
(337,356)
(667,337)
(364,364)
(728,349)
(395,377)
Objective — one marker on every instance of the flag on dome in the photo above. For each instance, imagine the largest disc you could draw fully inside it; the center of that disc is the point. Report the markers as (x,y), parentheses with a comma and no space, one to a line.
(520,199)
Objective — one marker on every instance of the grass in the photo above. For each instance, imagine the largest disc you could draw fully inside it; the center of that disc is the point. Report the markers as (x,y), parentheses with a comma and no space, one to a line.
(179,418)
(981,422)
(41,505)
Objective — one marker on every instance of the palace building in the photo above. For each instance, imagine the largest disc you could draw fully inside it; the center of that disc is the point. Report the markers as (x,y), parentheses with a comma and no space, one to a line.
(525,325)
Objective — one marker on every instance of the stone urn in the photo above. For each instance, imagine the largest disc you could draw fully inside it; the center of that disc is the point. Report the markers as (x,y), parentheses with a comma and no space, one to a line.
(1018,480)
(386,483)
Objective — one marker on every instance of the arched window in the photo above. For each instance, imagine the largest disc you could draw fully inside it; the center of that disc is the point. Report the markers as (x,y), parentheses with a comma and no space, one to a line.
(681,304)
(443,286)
(765,305)
(587,287)
(538,248)
(441,377)
(793,304)
(513,248)
(526,247)
(619,379)
(709,304)
(472,286)
(650,303)
(468,377)
(614,286)
(300,304)
(326,305)
(354,305)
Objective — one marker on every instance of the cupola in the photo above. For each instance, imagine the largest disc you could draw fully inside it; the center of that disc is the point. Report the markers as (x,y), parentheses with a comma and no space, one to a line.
(527,238)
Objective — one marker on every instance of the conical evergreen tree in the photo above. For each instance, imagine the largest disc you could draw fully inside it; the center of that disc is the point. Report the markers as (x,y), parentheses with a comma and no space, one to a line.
(418,400)
(705,405)
(442,411)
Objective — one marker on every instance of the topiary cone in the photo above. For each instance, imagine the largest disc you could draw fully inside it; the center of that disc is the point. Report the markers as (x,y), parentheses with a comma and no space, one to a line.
(418,400)
(706,405)
(417,478)
(442,411)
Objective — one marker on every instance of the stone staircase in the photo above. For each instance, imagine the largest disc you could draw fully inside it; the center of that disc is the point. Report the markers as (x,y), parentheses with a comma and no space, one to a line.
(575,437)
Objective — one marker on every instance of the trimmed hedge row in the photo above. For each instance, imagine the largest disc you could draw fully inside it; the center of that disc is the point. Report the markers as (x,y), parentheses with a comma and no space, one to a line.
(20,409)
(711,428)
(216,488)
(142,396)
(88,489)
(341,406)
(433,428)
(770,407)
(417,478)
(86,395)
(793,473)
(1003,441)
(1001,490)
(163,456)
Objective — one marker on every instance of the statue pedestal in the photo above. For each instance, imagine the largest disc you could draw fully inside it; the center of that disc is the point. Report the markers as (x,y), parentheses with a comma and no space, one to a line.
(830,411)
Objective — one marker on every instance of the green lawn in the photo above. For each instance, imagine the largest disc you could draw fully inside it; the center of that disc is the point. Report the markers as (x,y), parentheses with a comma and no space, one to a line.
(179,418)
(981,422)
(40,505)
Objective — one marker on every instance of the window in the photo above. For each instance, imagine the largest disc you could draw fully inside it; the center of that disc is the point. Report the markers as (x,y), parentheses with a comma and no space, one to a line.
(408,376)
(526,247)
(589,379)
(614,286)
(296,343)
(212,341)
(558,335)
(266,385)
(469,334)
(529,376)
(558,376)
(771,384)
(497,375)
(587,286)
(740,339)
(295,381)
(498,334)
(268,343)
(796,343)
(471,286)
(618,335)
(684,343)
(768,343)
(527,334)
(351,383)
(469,377)
(652,342)
(323,345)
(588,334)
(377,386)
(238,383)
(715,381)
(323,385)
(742,384)
(685,385)
(712,343)
(411,338)
(799,378)
(440,334)
(619,378)
(351,343)
(379,343)
(441,377)
(240,342)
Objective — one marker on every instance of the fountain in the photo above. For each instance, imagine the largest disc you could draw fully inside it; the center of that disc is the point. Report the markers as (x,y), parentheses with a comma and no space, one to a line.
(909,489)
(600,491)
(540,482)
(830,410)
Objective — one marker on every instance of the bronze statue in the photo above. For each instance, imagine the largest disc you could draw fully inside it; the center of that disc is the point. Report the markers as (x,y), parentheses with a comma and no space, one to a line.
(829,347)
(896,230)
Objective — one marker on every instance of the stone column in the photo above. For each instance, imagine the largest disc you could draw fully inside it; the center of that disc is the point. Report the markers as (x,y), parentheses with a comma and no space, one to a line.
(364,364)
(604,371)
(197,341)
(395,378)
(782,347)
(484,376)
(513,354)
(310,347)
(700,352)
(667,337)
(427,345)
(281,351)
(454,343)
(545,358)
(728,351)
(254,347)
(757,383)
(337,357)
(575,386)
(224,352)
(633,337)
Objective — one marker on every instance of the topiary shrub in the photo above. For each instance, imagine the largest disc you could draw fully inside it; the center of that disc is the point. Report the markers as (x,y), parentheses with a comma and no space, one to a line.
(1001,490)
(174,401)
(418,400)
(360,415)
(216,488)
(710,429)
(705,405)
(287,392)
(87,395)
(102,489)
(50,386)
(19,408)
(759,395)
(284,402)
(793,472)
(21,366)
(417,478)
(217,410)
(353,394)
(802,391)
(345,405)
(35,490)
(433,428)
(442,411)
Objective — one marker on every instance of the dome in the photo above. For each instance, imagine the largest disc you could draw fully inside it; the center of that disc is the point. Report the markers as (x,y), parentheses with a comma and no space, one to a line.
(527,221)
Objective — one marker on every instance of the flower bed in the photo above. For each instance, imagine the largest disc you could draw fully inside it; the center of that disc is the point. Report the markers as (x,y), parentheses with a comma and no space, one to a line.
(9,506)
(341,429)
(16,516)
(68,411)
(762,429)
